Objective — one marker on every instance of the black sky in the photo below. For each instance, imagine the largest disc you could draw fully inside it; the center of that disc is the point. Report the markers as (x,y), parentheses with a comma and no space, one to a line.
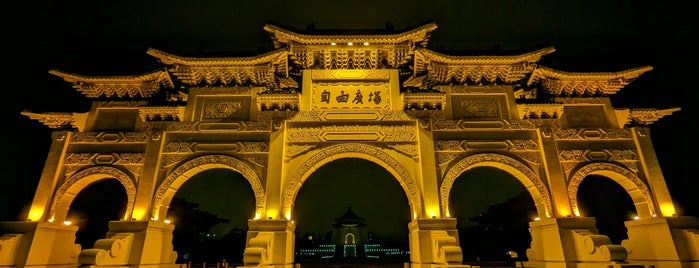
(111,38)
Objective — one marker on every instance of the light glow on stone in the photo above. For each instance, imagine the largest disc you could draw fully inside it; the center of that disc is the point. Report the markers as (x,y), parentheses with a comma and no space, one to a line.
(433,214)
(668,210)
(35,214)
(138,214)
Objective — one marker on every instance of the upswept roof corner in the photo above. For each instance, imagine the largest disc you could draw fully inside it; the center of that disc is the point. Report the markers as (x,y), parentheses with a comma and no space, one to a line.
(275,56)
(648,116)
(53,120)
(260,69)
(442,68)
(557,82)
(418,35)
(143,85)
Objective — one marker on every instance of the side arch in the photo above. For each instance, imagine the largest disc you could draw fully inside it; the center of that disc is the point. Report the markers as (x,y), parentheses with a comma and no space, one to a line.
(534,185)
(167,189)
(77,182)
(634,186)
(356,150)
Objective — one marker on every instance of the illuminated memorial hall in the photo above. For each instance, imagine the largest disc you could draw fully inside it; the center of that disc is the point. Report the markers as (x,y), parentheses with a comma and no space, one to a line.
(382,96)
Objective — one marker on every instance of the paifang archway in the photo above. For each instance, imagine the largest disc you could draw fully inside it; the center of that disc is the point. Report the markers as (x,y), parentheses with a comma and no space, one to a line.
(424,116)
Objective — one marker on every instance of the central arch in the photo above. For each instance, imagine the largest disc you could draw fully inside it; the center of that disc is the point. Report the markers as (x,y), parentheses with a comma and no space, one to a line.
(356,150)
(535,186)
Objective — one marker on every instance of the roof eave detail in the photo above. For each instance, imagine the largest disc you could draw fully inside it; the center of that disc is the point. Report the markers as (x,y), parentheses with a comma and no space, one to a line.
(558,82)
(442,68)
(144,85)
(53,120)
(284,36)
(531,57)
(170,59)
(646,117)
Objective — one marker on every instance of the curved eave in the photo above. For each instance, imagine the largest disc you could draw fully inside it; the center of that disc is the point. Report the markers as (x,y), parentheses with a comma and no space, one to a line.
(53,120)
(443,68)
(273,57)
(644,117)
(144,85)
(284,36)
(559,82)
(426,55)
(260,69)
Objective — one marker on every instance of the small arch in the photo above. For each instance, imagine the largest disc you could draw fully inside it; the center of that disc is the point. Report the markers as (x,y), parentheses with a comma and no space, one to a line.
(357,150)
(186,170)
(77,182)
(350,239)
(634,186)
(535,186)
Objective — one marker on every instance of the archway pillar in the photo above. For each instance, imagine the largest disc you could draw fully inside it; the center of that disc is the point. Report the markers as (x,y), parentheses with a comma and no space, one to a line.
(434,243)
(133,243)
(664,242)
(571,242)
(270,243)
(27,244)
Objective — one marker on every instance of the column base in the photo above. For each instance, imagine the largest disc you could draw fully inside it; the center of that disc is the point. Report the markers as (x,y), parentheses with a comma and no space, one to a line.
(672,240)
(38,244)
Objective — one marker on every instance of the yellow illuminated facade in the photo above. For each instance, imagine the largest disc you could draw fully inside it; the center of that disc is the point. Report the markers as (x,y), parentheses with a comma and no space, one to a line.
(424,116)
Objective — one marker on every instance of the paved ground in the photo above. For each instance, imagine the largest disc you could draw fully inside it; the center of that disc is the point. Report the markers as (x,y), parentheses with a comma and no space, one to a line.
(370,265)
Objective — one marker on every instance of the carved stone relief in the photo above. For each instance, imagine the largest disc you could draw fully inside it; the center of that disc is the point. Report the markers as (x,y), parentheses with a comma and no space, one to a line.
(99,137)
(388,133)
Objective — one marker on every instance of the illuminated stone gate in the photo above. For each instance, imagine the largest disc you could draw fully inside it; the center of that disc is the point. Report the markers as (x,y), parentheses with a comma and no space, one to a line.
(424,116)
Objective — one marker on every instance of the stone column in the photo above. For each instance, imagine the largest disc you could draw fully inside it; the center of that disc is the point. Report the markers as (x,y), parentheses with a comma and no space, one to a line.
(571,242)
(664,242)
(133,243)
(434,242)
(270,243)
(28,244)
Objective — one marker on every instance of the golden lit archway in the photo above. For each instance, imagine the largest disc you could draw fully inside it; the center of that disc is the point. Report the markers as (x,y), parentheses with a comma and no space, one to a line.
(634,186)
(77,182)
(524,174)
(356,150)
(186,170)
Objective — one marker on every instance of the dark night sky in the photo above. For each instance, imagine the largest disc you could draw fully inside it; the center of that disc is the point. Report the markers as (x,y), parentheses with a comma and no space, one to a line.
(111,38)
